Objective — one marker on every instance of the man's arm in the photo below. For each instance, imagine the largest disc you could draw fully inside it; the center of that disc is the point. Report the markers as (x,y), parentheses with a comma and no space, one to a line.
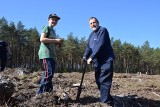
(87,52)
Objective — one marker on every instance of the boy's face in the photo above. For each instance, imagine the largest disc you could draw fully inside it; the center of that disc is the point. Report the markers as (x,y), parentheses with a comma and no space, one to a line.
(53,21)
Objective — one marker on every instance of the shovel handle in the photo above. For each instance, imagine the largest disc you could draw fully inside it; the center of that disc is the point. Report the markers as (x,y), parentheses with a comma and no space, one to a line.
(80,87)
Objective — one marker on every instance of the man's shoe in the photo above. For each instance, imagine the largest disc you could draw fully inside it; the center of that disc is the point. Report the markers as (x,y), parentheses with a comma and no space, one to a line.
(117,102)
(110,103)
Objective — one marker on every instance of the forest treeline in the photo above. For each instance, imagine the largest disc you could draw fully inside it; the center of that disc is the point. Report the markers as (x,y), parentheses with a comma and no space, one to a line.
(24,44)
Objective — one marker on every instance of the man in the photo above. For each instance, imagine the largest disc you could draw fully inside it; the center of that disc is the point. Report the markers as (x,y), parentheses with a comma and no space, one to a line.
(5,53)
(47,53)
(100,52)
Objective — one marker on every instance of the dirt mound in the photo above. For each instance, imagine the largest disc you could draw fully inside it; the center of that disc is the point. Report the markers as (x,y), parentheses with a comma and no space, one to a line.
(129,90)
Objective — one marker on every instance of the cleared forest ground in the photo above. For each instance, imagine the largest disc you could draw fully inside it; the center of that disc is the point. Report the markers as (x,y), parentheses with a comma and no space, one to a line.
(130,90)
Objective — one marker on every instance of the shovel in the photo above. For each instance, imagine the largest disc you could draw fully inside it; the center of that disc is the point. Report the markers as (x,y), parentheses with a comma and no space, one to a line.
(80,86)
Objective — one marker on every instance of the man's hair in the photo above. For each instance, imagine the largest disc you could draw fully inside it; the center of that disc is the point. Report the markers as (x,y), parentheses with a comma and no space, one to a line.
(94,18)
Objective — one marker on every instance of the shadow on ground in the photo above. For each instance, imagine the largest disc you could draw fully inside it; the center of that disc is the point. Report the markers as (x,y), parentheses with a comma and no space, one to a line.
(125,101)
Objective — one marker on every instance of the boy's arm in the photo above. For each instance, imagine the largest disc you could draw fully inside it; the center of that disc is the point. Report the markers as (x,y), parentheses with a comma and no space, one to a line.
(44,39)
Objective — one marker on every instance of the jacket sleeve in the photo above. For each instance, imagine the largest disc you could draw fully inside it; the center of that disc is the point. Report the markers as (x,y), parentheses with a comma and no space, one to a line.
(103,37)
(87,50)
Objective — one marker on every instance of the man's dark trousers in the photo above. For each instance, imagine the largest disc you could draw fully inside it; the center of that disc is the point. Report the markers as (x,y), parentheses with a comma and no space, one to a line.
(103,76)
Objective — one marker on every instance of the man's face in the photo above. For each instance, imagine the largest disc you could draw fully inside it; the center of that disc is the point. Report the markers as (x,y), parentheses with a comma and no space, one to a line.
(53,21)
(93,24)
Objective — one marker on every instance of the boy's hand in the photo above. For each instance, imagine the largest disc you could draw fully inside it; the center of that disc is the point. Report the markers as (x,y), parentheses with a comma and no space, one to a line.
(60,41)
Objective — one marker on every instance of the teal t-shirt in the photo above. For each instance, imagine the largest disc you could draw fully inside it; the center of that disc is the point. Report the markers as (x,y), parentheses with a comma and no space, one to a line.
(47,50)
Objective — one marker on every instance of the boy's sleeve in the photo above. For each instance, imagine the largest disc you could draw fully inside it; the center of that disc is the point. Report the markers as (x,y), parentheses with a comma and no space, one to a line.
(45,29)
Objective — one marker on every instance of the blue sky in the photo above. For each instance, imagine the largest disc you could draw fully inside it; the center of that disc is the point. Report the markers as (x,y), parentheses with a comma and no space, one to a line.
(133,21)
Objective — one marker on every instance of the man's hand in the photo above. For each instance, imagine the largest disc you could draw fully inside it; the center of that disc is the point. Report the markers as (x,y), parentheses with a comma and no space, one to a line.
(84,60)
(89,61)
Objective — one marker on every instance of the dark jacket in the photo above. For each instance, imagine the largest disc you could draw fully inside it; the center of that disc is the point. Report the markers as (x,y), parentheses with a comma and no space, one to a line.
(99,46)
(3,48)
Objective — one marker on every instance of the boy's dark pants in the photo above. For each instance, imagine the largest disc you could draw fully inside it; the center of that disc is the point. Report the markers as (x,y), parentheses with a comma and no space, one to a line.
(46,81)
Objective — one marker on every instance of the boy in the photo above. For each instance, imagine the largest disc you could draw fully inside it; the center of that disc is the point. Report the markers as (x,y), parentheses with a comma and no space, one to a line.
(47,53)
